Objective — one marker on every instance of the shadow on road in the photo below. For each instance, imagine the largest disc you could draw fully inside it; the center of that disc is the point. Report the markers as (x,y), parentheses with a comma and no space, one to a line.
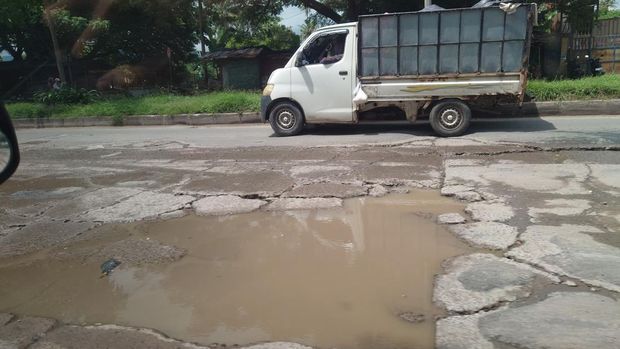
(510,125)
(375,128)
(423,128)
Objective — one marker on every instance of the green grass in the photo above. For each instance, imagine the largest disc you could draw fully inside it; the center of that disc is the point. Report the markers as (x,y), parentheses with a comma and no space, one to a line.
(599,87)
(217,102)
(26,110)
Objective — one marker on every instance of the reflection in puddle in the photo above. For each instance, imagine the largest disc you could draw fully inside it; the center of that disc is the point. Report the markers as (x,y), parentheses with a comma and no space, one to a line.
(328,278)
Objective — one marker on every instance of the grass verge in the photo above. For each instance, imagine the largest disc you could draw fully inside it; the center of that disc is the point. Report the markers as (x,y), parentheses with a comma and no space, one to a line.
(217,102)
(598,87)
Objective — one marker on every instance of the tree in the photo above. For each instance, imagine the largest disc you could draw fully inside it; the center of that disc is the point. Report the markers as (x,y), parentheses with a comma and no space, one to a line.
(608,9)
(271,34)
(146,29)
(235,23)
(105,30)
(580,14)
(349,10)
(313,22)
(606,5)
(22,32)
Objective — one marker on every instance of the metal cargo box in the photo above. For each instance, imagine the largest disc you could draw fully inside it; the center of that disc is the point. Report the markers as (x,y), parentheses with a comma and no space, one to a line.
(447,42)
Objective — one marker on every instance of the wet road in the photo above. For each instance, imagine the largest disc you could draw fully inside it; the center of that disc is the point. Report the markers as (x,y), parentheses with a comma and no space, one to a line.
(538,200)
(565,130)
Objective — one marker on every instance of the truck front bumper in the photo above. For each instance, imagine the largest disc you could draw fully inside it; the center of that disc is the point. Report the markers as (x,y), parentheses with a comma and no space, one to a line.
(264,104)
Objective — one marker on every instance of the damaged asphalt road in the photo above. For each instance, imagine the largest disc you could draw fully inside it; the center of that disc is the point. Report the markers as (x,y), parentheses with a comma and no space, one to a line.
(543,215)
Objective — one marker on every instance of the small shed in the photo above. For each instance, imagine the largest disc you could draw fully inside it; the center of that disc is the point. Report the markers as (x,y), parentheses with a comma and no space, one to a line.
(247,68)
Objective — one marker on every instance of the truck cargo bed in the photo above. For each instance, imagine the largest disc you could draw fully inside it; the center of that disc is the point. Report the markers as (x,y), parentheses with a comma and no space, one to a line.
(457,52)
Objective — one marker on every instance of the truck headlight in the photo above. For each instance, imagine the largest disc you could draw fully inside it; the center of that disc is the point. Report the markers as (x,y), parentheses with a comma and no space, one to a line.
(267,90)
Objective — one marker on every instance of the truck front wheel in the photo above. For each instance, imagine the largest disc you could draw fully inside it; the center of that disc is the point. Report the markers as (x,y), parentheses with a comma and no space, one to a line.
(286,119)
(450,118)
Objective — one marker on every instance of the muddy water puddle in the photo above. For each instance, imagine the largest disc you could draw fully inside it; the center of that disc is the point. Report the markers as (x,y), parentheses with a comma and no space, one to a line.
(336,278)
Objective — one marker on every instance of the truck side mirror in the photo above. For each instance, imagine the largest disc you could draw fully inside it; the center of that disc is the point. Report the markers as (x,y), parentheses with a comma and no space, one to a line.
(299,61)
(9,150)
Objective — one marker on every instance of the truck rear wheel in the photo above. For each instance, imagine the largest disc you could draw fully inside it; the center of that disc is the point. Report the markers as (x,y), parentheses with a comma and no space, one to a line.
(286,119)
(450,118)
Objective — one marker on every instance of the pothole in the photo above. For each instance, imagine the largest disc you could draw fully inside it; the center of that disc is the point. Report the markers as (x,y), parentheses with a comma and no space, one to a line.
(333,278)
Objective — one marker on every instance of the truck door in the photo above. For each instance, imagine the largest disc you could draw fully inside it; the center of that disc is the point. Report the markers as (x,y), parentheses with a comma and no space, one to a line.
(322,78)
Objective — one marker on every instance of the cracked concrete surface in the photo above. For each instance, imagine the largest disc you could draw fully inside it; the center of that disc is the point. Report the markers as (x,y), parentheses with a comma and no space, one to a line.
(562,320)
(450,218)
(491,235)
(489,212)
(42,333)
(226,204)
(559,195)
(479,281)
(327,190)
(560,207)
(567,178)
(549,208)
(572,251)
(145,205)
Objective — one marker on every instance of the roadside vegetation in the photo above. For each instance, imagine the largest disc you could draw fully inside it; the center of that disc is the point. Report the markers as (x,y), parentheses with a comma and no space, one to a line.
(161,104)
(597,87)
(600,87)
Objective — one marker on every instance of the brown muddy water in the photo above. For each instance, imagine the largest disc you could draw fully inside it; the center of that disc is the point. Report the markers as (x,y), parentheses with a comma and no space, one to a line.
(336,278)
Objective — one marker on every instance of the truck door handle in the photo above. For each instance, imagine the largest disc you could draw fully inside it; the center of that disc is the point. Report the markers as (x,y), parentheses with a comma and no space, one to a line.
(343,72)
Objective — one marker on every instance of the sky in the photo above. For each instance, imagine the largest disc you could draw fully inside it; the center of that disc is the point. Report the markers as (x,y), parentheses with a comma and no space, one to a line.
(5,56)
(293,17)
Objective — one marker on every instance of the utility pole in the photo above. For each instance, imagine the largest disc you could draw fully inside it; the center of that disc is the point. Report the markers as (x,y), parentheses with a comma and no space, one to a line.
(203,49)
(203,46)
(427,3)
(57,51)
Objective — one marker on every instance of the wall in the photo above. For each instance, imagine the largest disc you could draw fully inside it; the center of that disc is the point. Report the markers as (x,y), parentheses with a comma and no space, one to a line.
(241,74)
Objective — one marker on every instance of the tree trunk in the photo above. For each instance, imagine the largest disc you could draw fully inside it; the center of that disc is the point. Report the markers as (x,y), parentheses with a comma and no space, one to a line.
(353,10)
(322,9)
(57,50)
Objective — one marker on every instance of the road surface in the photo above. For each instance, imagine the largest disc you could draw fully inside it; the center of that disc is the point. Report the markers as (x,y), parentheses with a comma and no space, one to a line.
(578,130)
(539,208)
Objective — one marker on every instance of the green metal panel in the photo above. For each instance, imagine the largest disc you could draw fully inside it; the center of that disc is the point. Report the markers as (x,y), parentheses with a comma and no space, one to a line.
(242,74)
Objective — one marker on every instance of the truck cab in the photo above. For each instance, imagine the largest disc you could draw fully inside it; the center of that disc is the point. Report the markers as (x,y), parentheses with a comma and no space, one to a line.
(316,84)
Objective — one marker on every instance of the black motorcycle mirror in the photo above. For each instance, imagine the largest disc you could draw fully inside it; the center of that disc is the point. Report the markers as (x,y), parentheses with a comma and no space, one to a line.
(9,150)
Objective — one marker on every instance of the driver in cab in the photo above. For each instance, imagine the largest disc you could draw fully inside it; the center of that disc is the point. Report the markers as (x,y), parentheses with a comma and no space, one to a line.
(334,50)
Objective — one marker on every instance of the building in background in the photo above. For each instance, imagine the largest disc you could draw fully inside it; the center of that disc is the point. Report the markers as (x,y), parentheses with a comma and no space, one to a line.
(247,68)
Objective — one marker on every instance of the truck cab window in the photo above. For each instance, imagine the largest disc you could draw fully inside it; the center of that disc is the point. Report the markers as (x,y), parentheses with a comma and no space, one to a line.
(325,49)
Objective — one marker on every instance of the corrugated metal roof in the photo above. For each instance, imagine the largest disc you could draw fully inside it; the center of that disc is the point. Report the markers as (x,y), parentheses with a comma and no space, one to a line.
(244,53)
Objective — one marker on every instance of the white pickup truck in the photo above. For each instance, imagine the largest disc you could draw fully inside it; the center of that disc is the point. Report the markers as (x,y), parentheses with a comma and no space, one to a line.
(435,63)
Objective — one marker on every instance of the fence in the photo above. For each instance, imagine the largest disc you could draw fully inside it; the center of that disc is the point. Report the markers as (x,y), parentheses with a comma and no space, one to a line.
(603,43)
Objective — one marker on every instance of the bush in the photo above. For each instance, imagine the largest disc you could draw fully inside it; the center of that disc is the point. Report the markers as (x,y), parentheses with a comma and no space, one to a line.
(66,95)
